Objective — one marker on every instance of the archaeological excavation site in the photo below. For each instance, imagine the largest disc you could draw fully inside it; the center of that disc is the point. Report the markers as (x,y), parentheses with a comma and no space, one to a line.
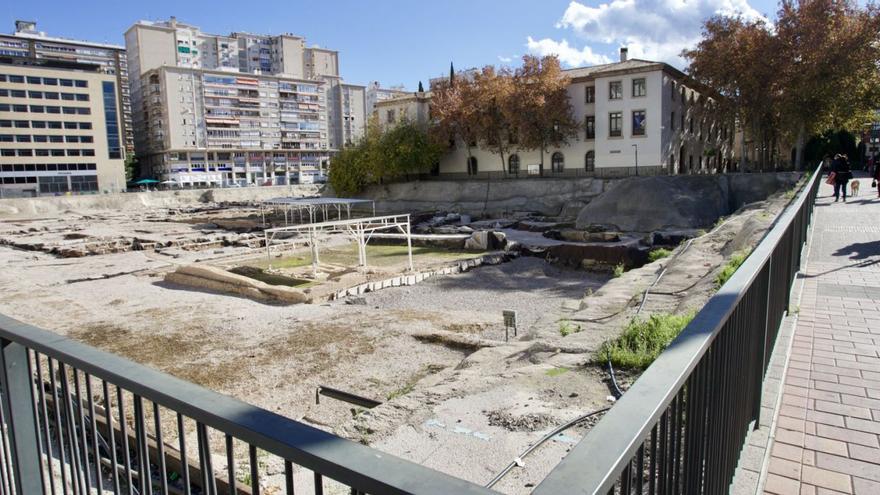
(479,330)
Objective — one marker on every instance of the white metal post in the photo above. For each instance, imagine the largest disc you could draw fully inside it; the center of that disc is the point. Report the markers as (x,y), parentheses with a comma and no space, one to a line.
(409,243)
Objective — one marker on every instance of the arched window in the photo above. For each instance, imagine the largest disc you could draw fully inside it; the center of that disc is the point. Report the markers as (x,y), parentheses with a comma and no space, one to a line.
(557,162)
(590,161)
(513,164)
(472,166)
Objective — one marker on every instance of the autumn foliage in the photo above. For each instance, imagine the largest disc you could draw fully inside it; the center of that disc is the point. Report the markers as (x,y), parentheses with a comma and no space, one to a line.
(527,108)
(816,68)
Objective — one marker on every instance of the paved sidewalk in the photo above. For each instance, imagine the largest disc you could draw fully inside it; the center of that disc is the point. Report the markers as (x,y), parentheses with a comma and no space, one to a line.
(827,437)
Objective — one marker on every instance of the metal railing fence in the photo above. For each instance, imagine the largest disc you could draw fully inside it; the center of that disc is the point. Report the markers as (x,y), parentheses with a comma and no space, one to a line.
(79,420)
(681,426)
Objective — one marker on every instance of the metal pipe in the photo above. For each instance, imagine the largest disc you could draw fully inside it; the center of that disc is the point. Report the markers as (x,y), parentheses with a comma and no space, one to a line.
(345,397)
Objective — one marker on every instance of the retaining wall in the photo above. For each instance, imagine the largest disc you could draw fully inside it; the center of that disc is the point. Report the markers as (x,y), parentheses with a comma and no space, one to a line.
(52,205)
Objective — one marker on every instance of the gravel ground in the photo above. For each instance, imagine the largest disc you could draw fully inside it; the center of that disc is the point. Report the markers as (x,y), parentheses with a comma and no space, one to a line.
(531,286)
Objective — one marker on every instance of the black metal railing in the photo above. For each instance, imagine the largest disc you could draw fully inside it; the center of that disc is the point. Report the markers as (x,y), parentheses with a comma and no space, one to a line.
(79,420)
(681,427)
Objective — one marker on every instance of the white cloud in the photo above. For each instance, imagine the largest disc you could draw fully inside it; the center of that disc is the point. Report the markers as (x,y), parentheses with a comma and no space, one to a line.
(567,54)
(506,60)
(652,29)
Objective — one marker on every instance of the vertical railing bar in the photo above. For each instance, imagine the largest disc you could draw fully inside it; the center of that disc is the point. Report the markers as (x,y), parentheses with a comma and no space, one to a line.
(255,470)
(664,437)
(288,477)
(59,436)
(210,482)
(142,448)
(83,432)
(71,430)
(7,483)
(36,408)
(626,478)
(123,433)
(679,426)
(652,480)
(319,484)
(108,417)
(184,460)
(96,450)
(230,464)
(640,472)
(160,450)
(41,396)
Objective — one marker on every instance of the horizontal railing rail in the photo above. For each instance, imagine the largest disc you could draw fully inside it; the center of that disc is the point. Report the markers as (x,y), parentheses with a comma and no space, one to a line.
(52,387)
(681,426)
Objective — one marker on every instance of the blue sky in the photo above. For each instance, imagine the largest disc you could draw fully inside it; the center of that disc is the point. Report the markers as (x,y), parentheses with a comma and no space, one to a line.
(402,42)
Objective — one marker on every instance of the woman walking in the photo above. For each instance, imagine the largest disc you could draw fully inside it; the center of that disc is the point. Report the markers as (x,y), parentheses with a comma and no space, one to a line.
(842,176)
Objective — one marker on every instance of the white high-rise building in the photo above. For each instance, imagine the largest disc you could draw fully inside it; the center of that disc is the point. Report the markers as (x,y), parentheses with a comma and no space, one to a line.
(237,108)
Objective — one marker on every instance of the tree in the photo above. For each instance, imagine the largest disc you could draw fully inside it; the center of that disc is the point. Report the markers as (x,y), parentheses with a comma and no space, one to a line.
(454,105)
(494,109)
(738,60)
(421,88)
(132,167)
(831,52)
(383,156)
(540,109)
(816,69)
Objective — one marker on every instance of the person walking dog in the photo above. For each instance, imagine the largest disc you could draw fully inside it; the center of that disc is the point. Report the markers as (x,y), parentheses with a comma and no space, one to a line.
(841,176)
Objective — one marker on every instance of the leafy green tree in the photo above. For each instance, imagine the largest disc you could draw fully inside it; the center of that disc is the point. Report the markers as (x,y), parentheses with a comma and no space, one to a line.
(132,167)
(382,157)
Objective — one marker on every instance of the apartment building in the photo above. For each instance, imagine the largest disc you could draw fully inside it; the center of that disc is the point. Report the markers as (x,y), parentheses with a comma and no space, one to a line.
(239,108)
(376,93)
(60,128)
(27,41)
(633,113)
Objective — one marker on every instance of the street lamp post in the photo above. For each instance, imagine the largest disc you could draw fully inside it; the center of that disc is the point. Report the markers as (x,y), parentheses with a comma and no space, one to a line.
(636,146)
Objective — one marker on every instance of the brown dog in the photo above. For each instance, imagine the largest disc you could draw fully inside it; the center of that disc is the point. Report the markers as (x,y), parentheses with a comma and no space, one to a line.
(855,187)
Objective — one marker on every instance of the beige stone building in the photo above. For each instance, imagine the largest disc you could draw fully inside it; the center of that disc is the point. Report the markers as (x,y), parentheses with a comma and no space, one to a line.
(634,115)
(411,107)
(60,128)
(239,108)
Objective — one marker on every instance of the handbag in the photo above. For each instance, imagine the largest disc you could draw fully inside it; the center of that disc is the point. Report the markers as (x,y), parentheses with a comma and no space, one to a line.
(831,177)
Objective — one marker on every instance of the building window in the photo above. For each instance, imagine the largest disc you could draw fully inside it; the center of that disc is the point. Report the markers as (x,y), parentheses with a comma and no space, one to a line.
(615,90)
(389,116)
(639,123)
(590,94)
(615,124)
(513,164)
(110,120)
(472,168)
(639,87)
(590,161)
(672,90)
(672,121)
(590,126)
(557,162)
(691,125)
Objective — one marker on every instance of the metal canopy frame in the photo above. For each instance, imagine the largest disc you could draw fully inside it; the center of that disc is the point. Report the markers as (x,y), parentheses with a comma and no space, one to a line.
(360,229)
(312,206)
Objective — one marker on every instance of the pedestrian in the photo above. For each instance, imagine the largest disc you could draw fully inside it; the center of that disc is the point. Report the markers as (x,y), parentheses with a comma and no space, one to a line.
(876,176)
(842,175)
